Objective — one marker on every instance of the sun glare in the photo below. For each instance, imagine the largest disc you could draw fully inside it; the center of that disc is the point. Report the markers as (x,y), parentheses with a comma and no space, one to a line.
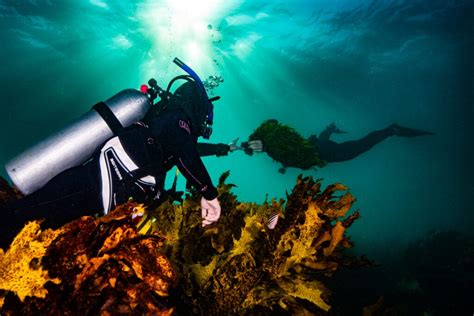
(183,28)
(193,9)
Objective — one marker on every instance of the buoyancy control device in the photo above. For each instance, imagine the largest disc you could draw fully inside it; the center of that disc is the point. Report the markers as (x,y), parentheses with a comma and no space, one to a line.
(75,144)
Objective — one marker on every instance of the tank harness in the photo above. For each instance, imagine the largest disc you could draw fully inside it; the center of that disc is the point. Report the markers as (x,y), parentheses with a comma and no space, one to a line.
(129,162)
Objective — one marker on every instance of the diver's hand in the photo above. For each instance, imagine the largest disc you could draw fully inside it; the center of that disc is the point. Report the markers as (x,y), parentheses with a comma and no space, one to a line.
(211,211)
(233,145)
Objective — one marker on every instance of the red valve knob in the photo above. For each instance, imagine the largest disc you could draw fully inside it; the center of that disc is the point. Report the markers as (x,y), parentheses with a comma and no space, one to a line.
(144,88)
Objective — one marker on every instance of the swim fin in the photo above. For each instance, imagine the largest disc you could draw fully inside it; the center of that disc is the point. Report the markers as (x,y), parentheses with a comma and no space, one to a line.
(402,131)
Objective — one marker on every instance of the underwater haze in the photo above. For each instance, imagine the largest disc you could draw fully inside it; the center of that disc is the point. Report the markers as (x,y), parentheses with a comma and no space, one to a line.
(361,64)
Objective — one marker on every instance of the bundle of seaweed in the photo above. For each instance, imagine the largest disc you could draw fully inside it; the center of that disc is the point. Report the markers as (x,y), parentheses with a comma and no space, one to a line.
(235,266)
(287,146)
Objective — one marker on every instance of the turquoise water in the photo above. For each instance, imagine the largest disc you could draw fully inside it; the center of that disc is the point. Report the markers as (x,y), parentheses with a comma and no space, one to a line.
(360,64)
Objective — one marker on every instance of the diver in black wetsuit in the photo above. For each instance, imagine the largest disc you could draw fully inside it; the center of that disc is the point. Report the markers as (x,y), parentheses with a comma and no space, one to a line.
(130,165)
(330,151)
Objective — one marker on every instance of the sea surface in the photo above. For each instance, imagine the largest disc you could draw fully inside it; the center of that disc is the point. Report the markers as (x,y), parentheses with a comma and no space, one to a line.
(360,64)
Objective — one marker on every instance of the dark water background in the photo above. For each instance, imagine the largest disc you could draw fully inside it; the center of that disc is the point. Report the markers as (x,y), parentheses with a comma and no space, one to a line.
(360,64)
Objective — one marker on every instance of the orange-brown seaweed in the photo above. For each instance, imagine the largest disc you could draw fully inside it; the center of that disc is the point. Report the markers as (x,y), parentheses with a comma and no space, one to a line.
(235,266)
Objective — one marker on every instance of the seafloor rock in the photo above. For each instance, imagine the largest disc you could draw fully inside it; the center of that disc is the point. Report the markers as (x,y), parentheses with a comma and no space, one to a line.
(286,146)
(235,266)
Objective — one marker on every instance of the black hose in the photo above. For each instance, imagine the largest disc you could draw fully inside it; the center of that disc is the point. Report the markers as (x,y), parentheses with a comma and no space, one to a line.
(185,77)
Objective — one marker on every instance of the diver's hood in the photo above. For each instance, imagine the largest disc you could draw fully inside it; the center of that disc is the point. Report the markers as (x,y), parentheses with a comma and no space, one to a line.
(191,97)
(188,98)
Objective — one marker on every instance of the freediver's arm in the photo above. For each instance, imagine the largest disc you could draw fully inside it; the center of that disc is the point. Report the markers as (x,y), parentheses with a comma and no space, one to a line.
(328,131)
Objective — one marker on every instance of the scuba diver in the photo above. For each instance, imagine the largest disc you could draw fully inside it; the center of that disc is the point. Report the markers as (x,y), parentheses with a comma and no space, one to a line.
(130,165)
(330,151)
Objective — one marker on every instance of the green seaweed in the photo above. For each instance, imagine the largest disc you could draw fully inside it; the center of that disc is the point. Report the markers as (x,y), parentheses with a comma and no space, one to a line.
(285,145)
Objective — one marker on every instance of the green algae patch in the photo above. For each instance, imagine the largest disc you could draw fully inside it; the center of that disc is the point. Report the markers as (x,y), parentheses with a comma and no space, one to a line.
(285,145)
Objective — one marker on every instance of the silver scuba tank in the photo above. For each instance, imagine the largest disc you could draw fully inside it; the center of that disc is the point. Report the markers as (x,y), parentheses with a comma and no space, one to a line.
(73,145)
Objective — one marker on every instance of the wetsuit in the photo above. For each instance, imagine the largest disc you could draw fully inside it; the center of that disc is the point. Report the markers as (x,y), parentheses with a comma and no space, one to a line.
(131,165)
(207,149)
(330,151)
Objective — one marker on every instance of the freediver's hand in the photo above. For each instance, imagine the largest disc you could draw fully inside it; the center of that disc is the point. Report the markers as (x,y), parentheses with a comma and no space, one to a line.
(256,146)
(334,129)
(252,146)
(211,211)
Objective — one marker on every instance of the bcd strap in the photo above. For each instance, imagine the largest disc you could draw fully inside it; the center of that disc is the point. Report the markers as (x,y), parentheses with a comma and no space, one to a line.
(150,158)
(109,117)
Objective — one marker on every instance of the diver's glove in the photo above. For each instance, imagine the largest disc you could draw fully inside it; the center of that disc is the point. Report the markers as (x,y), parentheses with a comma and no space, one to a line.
(211,211)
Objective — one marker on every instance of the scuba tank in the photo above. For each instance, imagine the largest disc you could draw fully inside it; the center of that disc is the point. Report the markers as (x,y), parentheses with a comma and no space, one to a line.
(73,145)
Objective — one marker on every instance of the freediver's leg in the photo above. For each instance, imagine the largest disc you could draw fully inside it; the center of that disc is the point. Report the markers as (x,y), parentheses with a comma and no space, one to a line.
(335,152)
(402,131)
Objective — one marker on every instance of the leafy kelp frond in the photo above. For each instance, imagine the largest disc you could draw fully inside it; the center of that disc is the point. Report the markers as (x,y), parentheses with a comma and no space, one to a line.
(287,146)
(311,291)
(24,259)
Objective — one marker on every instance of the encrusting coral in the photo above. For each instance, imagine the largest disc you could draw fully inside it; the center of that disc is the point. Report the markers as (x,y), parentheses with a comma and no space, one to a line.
(235,266)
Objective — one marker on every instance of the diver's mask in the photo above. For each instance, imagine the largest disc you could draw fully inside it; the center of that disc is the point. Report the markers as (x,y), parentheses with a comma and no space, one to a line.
(206,128)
